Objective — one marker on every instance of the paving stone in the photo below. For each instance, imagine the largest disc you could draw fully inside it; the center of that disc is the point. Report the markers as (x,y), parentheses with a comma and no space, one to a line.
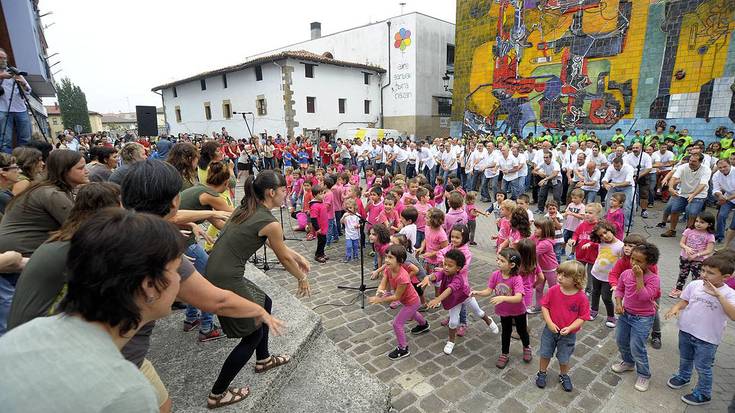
(600,390)
(561,397)
(596,362)
(387,375)
(477,403)
(412,409)
(545,408)
(610,378)
(438,380)
(429,368)
(454,390)
(582,377)
(512,405)
(514,376)
(497,388)
(470,362)
(338,334)
(452,372)
(588,404)
(404,401)
(432,403)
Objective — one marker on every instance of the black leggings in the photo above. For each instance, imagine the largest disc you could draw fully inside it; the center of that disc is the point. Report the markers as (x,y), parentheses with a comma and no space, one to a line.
(506,324)
(602,288)
(257,341)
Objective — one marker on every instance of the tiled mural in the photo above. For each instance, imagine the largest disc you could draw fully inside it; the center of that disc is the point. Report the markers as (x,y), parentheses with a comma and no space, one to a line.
(527,65)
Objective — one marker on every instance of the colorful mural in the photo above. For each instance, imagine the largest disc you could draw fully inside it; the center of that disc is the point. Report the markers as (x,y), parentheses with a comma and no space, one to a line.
(521,65)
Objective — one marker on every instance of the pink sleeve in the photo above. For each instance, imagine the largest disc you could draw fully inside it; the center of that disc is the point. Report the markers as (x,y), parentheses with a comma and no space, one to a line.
(492,281)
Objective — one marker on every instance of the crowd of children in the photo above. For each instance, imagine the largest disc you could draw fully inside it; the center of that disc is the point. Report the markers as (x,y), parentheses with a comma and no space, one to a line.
(560,265)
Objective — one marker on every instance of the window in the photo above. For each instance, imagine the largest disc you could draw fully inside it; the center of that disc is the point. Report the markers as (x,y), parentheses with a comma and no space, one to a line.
(207,111)
(178,114)
(203,83)
(258,73)
(261,107)
(341,103)
(367,107)
(224,80)
(444,106)
(450,55)
(366,77)
(226,109)
(309,70)
(310,104)
(176,94)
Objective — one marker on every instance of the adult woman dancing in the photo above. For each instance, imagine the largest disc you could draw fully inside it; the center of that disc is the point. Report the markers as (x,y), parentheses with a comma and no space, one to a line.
(251,226)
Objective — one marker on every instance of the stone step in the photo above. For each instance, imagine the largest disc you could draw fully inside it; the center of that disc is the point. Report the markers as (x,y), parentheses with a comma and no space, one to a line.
(328,380)
(189,368)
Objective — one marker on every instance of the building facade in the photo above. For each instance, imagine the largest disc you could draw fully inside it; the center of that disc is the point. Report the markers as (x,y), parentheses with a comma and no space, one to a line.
(525,66)
(408,55)
(56,124)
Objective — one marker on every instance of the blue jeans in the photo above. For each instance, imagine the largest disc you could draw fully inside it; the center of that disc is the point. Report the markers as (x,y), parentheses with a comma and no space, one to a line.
(680,204)
(200,257)
(589,196)
(628,207)
(699,354)
(652,187)
(489,187)
(558,251)
(722,219)
(18,121)
(631,335)
(463,315)
(517,187)
(332,232)
(352,248)
(430,174)
(472,179)
(420,236)
(7,291)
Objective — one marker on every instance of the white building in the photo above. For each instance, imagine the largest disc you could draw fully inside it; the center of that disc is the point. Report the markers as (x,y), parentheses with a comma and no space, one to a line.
(405,58)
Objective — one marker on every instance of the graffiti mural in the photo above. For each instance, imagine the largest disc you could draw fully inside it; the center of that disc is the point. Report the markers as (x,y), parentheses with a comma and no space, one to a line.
(590,64)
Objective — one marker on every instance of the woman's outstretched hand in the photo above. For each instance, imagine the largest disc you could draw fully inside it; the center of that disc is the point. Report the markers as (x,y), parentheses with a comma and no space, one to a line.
(304,288)
(275,326)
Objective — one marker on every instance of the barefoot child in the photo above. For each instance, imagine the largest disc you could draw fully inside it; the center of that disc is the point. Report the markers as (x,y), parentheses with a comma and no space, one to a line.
(635,296)
(399,282)
(703,311)
(565,308)
(454,291)
(507,286)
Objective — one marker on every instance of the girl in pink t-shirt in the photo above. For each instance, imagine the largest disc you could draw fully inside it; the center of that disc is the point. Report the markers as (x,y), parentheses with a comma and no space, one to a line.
(529,271)
(439,191)
(396,277)
(422,207)
(546,258)
(615,214)
(390,217)
(505,233)
(380,238)
(454,292)
(435,239)
(697,243)
(508,290)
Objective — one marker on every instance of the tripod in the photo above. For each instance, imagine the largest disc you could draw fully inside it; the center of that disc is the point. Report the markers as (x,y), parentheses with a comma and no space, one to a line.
(636,184)
(28,108)
(362,289)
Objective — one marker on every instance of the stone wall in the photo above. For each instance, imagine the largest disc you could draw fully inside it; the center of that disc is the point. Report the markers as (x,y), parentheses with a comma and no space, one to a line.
(528,65)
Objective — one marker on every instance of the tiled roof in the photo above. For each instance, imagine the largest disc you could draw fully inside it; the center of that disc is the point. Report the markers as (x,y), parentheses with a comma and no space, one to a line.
(298,55)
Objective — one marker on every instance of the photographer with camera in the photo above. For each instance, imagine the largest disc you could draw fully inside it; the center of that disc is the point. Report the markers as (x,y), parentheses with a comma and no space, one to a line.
(13,112)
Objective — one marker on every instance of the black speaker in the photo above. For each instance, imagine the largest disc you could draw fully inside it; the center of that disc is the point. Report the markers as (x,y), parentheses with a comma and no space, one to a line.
(147,121)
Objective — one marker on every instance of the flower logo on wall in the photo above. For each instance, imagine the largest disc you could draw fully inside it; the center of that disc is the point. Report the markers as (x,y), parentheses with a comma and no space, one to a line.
(403,39)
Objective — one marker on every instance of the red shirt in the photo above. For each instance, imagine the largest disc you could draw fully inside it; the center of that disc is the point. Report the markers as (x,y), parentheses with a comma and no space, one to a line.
(318,213)
(410,296)
(582,237)
(565,309)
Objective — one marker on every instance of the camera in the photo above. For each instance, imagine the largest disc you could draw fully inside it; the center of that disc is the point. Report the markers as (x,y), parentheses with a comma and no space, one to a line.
(15,72)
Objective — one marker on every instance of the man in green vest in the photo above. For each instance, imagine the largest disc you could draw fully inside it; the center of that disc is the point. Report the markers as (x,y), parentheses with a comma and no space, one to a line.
(618,137)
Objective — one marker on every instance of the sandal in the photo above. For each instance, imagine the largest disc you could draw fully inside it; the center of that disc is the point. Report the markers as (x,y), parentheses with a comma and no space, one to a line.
(272,362)
(236,395)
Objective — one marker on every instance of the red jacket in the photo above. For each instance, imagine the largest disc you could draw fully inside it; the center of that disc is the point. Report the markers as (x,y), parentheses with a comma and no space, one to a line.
(582,237)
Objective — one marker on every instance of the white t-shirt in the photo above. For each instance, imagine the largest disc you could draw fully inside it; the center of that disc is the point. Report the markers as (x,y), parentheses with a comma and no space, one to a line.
(724,184)
(508,163)
(410,232)
(625,174)
(491,164)
(594,177)
(704,317)
(658,157)
(449,160)
(401,155)
(644,158)
(691,179)
(522,159)
(352,226)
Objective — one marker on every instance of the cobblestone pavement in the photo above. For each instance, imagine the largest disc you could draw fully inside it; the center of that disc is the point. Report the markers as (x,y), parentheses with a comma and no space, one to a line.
(468,381)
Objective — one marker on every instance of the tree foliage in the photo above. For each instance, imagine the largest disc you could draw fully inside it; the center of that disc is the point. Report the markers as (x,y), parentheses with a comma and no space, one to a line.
(73,105)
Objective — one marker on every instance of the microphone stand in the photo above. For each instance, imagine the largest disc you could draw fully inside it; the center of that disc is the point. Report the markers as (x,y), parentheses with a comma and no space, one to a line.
(635,191)
(362,289)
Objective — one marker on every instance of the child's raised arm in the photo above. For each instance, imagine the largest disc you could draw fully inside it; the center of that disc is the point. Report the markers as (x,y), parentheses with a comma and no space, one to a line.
(443,296)
(374,274)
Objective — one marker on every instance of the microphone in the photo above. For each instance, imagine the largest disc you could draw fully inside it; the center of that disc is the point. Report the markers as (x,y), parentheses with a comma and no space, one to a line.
(242,113)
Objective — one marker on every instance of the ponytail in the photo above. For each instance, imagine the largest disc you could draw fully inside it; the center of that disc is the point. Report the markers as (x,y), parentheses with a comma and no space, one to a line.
(254,193)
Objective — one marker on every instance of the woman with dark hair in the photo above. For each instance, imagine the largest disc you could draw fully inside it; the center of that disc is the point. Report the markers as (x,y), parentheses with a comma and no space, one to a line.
(41,284)
(209,153)
(30,162)
(9,176)
(250,226)
(104,160)
(40,209)
(185,157)
(120,278)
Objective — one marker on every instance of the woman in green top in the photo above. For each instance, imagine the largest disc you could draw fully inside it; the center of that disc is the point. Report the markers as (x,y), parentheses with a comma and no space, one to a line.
(250,226)
(184,157)
(30,162)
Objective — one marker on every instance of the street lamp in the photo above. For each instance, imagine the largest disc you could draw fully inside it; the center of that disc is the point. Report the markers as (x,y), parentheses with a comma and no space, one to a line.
(446,79)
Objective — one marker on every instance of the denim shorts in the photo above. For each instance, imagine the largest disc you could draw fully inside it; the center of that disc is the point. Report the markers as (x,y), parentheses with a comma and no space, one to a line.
(564,345)
(680,204)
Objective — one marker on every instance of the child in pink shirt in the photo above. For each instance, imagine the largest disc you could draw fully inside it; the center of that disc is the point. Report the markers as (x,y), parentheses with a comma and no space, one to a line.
(615,214)
(435,240)
(456,214)
(439,191)
(390,217)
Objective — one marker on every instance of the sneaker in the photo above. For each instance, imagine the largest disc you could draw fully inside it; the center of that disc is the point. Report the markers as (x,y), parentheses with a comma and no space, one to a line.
(190,325)
(541,379)
(321,259)
(593,315)
(502,361)
(676,382)
(448,347)
(371,253)
(656,342)
(566,382)
(539,212)
(473,243)
(622,367)
(462,330)
(610,322)
(420,329)
(399,353)
(642,383)
(661,225)
(423,309)
(493,327)
(644,214)
(346,260)
(214,334)
(445,322)
(527,355)
(395,304)
(693,399)
(669,234)
(310,237)
(533,310)
(675,293)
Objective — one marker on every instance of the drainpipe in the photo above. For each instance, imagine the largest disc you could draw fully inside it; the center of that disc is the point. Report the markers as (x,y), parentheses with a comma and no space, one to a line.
(382,121)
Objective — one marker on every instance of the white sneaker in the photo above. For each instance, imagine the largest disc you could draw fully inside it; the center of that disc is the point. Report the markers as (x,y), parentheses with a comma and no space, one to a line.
(622,367)
(493,327)
(448,347)
(642,383)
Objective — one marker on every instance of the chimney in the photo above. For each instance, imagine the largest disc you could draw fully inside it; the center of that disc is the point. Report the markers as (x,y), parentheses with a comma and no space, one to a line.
(316,30)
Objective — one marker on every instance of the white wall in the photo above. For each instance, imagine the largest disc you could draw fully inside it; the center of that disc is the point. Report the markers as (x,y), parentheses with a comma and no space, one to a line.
(431,62)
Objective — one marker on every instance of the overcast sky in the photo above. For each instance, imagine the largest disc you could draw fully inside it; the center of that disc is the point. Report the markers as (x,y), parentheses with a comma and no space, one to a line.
(116,51)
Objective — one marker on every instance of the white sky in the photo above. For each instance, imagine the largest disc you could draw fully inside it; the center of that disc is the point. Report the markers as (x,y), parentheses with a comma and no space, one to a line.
(116,51)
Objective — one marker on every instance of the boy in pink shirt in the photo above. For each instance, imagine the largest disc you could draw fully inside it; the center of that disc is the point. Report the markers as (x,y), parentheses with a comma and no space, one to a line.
(456,214)
(635,296)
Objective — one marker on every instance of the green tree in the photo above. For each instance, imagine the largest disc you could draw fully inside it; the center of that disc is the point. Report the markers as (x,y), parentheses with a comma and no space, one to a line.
(73,105)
